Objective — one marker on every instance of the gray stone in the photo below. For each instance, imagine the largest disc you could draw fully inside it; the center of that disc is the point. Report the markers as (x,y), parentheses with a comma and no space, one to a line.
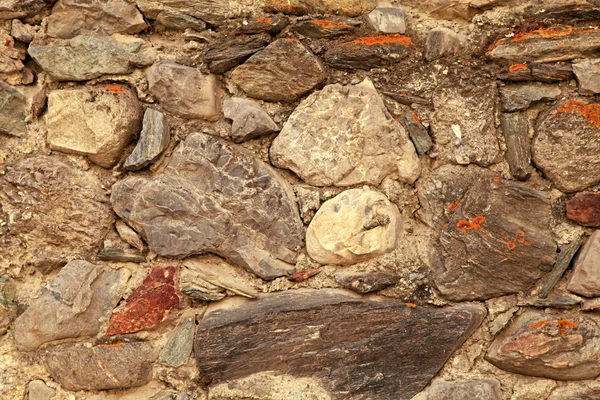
(87,57)
(366,281)
(441,42)
(218,198)
(283,71)
(348,124)
(212,11)
(121,255)
(21,32)
(179,347)
(71,306)
(249,119)
(418,133)
(520,97)
(537,72)
(351,8)
(585,280)
(38,390)
(387,20)
(154,139)
(588,75)
(533,389)
(483,389)
(129,235)
(98,122)
(185,91)
(181,22)
(223,54)
(518,150)
(12,111)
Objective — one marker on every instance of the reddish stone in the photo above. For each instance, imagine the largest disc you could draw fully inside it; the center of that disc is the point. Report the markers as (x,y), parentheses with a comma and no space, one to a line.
(369,52)
(148,305)
(305,274)
(584,208)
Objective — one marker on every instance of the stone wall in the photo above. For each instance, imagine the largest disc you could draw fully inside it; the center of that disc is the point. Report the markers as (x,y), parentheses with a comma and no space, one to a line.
(299,199)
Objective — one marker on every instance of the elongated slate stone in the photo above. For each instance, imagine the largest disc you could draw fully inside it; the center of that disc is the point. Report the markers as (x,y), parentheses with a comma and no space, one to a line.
(154,139)
(179,347)
(12,111)
(323,28)
(272,24)
(369,52)
(537,72)
(519,97)
(518,149)
(418,133)
(223,54)
(351,8)
(391,352)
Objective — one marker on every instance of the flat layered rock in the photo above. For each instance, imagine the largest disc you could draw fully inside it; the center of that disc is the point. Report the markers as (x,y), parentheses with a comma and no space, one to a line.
(520,97)
(584,208)
(392,352)
(537,72)
(565,146)
(283,71)
(323,28)
(585,280)
(154,139)
(350,8)
(351,125)
(588,76)
(213,11)
(482,389)
(12,111)
(441,42)
(272,24)
(369,52)
(518,149)
(498,241)
(223,54)
(179,346)
(577,390)
(10,9)
(367,281)
(218,198)
(418,133)
(176,21)
(249,120)
(387,20)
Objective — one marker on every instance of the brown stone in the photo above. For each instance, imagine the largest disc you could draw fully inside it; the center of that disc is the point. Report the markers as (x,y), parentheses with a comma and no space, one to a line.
(223,54)
(584,208)
(537,72)
(588,390)
(441,42)
(303,275)
(483,389)
(272,24)
(351,8)
(369,52)
(10,9)
(569,13)
(323,28)
(520,97)
(12,111)
(518,149)
(367,281)
(591,304)
(585,280)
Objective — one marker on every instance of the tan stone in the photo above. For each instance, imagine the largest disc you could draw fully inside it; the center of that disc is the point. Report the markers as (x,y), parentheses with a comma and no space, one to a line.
(585,280)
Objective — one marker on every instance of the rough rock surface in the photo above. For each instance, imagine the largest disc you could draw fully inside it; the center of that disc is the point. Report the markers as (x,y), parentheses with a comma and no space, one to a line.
(351,125)
(212,191)
(585,280)
(418,133)
(154,139)
(441,42)
(38,390)
(483,389)
(565,146)
(584,208)
(369,52)
(538,72)
(354,226)
(21,32)
(387,20)
(351,8)
(588,75)
(223,54)
(237,338)
(129,235)
(97,122)
(179,347)
(518,149)
(520,97)
(588,390)
(214,11)
(249,119)
(178,21)
(324,28)
(273,25)
(12,111)
(365,282)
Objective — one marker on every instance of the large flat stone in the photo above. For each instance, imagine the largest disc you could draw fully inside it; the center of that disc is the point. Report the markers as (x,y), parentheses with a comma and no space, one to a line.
(214,11)
(585,280)
(520,97)
(351,8)
(369,52)
(12,111)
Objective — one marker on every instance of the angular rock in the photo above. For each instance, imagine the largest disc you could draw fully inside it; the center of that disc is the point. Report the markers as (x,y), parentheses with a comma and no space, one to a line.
(129,235)
(10,9)
(179,347)
(369,52)
(354,226)
(217,198)
(418,133)
(11,57)
(584,208)
(585,280)
(304,274)
(148,305)
(564,146)
(482,389)
(249,119)
(498,241)
(588,76)
(283,71)
(87,57)
(589,390)
(591,304)
(533,389)
(441,42)
(520,97)
(272,24)
(21,32)
(518,149)
(71,18)
(387,20)
(563,260)
(102,367)
(563,303)
(223,54)
(351,125)
(323,28)
(365,282)
(181,22)
(12,111)
(97,122)
(391,354)
(154,139)
(580,12)
(71,305)
(121,255)
(38,390)
(537,72)
(351,8)
(556,346)
(185,91)
(212,11)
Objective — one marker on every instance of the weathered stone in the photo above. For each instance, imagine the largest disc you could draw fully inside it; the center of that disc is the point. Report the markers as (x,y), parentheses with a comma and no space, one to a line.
(106,366)
(97,122)
(387,20)
(283,71)
(369,52)
(185,91)
(218,198)
(441,42)
(223,54)
(565,146)
(589,390)
(179,347)
(41,193)
(584,208)
(537,72)
(579,11)
(10,9)
(463,124)
(21,32)
(585,280)
(323,28)
(11,57)
(351,8)
(249,120)
(588,76)
(518,150)
(87,57)
(392,353)
(563,303)
(309,201)
(71,18)
(351,125)
(304,274)
(129,235)
(272,24)
(520,97)
(532,389)
(504,229)
(181,22)
(38,390)
(556,346)
(71,306)
(12,111)
(148,305)
(154,139)
(408,99)
(591,304)
(483,389)
(418,133)
(567,252)
(121,255)
(365,282)
(212,11)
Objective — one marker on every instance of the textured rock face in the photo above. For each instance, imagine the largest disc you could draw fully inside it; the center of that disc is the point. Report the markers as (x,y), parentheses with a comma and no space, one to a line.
(483,389)
(96,122)
(10,9)
(12,111)
(387,20)
(323,28)
(354,226)
(520,97)
(71,306)
(224,54)
(324,127)
(351,8)
(249,120)
(208,10)
(504,228)
(154,139)
(585,390)
(584,208)
(588,75)
(273,25)
(284,71)
(441,42)
(214,197)
(585,280)
(561,347)
(518,149)
(365,282)
(238,339)
(565,148)
(369,52)
(37,390)
(179,347)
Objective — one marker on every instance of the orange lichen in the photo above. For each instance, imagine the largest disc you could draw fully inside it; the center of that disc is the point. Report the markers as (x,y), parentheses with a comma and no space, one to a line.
(517,67)
(563,324)
(118,344)
(114,88)
(290,39)
(385,40)
(522,240)
(511,242)
(496,179)
(463,225)
(591,112)
(452,206)
(264,20)
(415,118)
(546,33)
(327,24)
(411,304)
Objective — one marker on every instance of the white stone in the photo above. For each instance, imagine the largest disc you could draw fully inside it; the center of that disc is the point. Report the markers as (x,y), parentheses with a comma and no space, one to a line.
(387,20)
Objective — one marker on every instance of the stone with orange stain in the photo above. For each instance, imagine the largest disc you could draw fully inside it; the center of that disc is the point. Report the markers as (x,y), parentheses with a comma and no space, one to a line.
(584,209)
(387,20)
(223,54)
(272,24)
(585,280)
(369,52)
(324,28)
(351,8)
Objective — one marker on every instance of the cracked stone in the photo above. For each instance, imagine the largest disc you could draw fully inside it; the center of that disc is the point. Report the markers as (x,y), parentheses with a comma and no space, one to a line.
(154,139)
(520,97)
(369,52)
(249,119)
(223,54)
(12,111)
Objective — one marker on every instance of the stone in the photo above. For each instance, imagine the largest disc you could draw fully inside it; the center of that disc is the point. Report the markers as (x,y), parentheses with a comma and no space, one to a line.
(441,42)
(283,71)
(392,353)
(562,303)
(214,12)
(309,201)
(154,139)
(304,274)
(367,281)
(537,72)
(351,8)
(482,389)
(351,125)
(387,20)
(148,305)
(179,347)
(185,91)
(105,366)
(463,124)
(21,32)
(324,28)
(129,235)
(121,255)
(591,304)
(87,57)
(10,9)
(39,194)
(588,75)
(180,22)
(98,122)
(407,99)
(518,150)
(532,389)
(11,57)
(249,119)
(564,147)
(38,390)
(12,111)
(589,390)
(504,228)
(584,209)
(369,52)
(272,24)
(555,346)
(581,12)
(585,280)
(563,260)
(71,306)
(354,226)
(520,97)
(417,133)
(210,193)
(72,18)
(223,54)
